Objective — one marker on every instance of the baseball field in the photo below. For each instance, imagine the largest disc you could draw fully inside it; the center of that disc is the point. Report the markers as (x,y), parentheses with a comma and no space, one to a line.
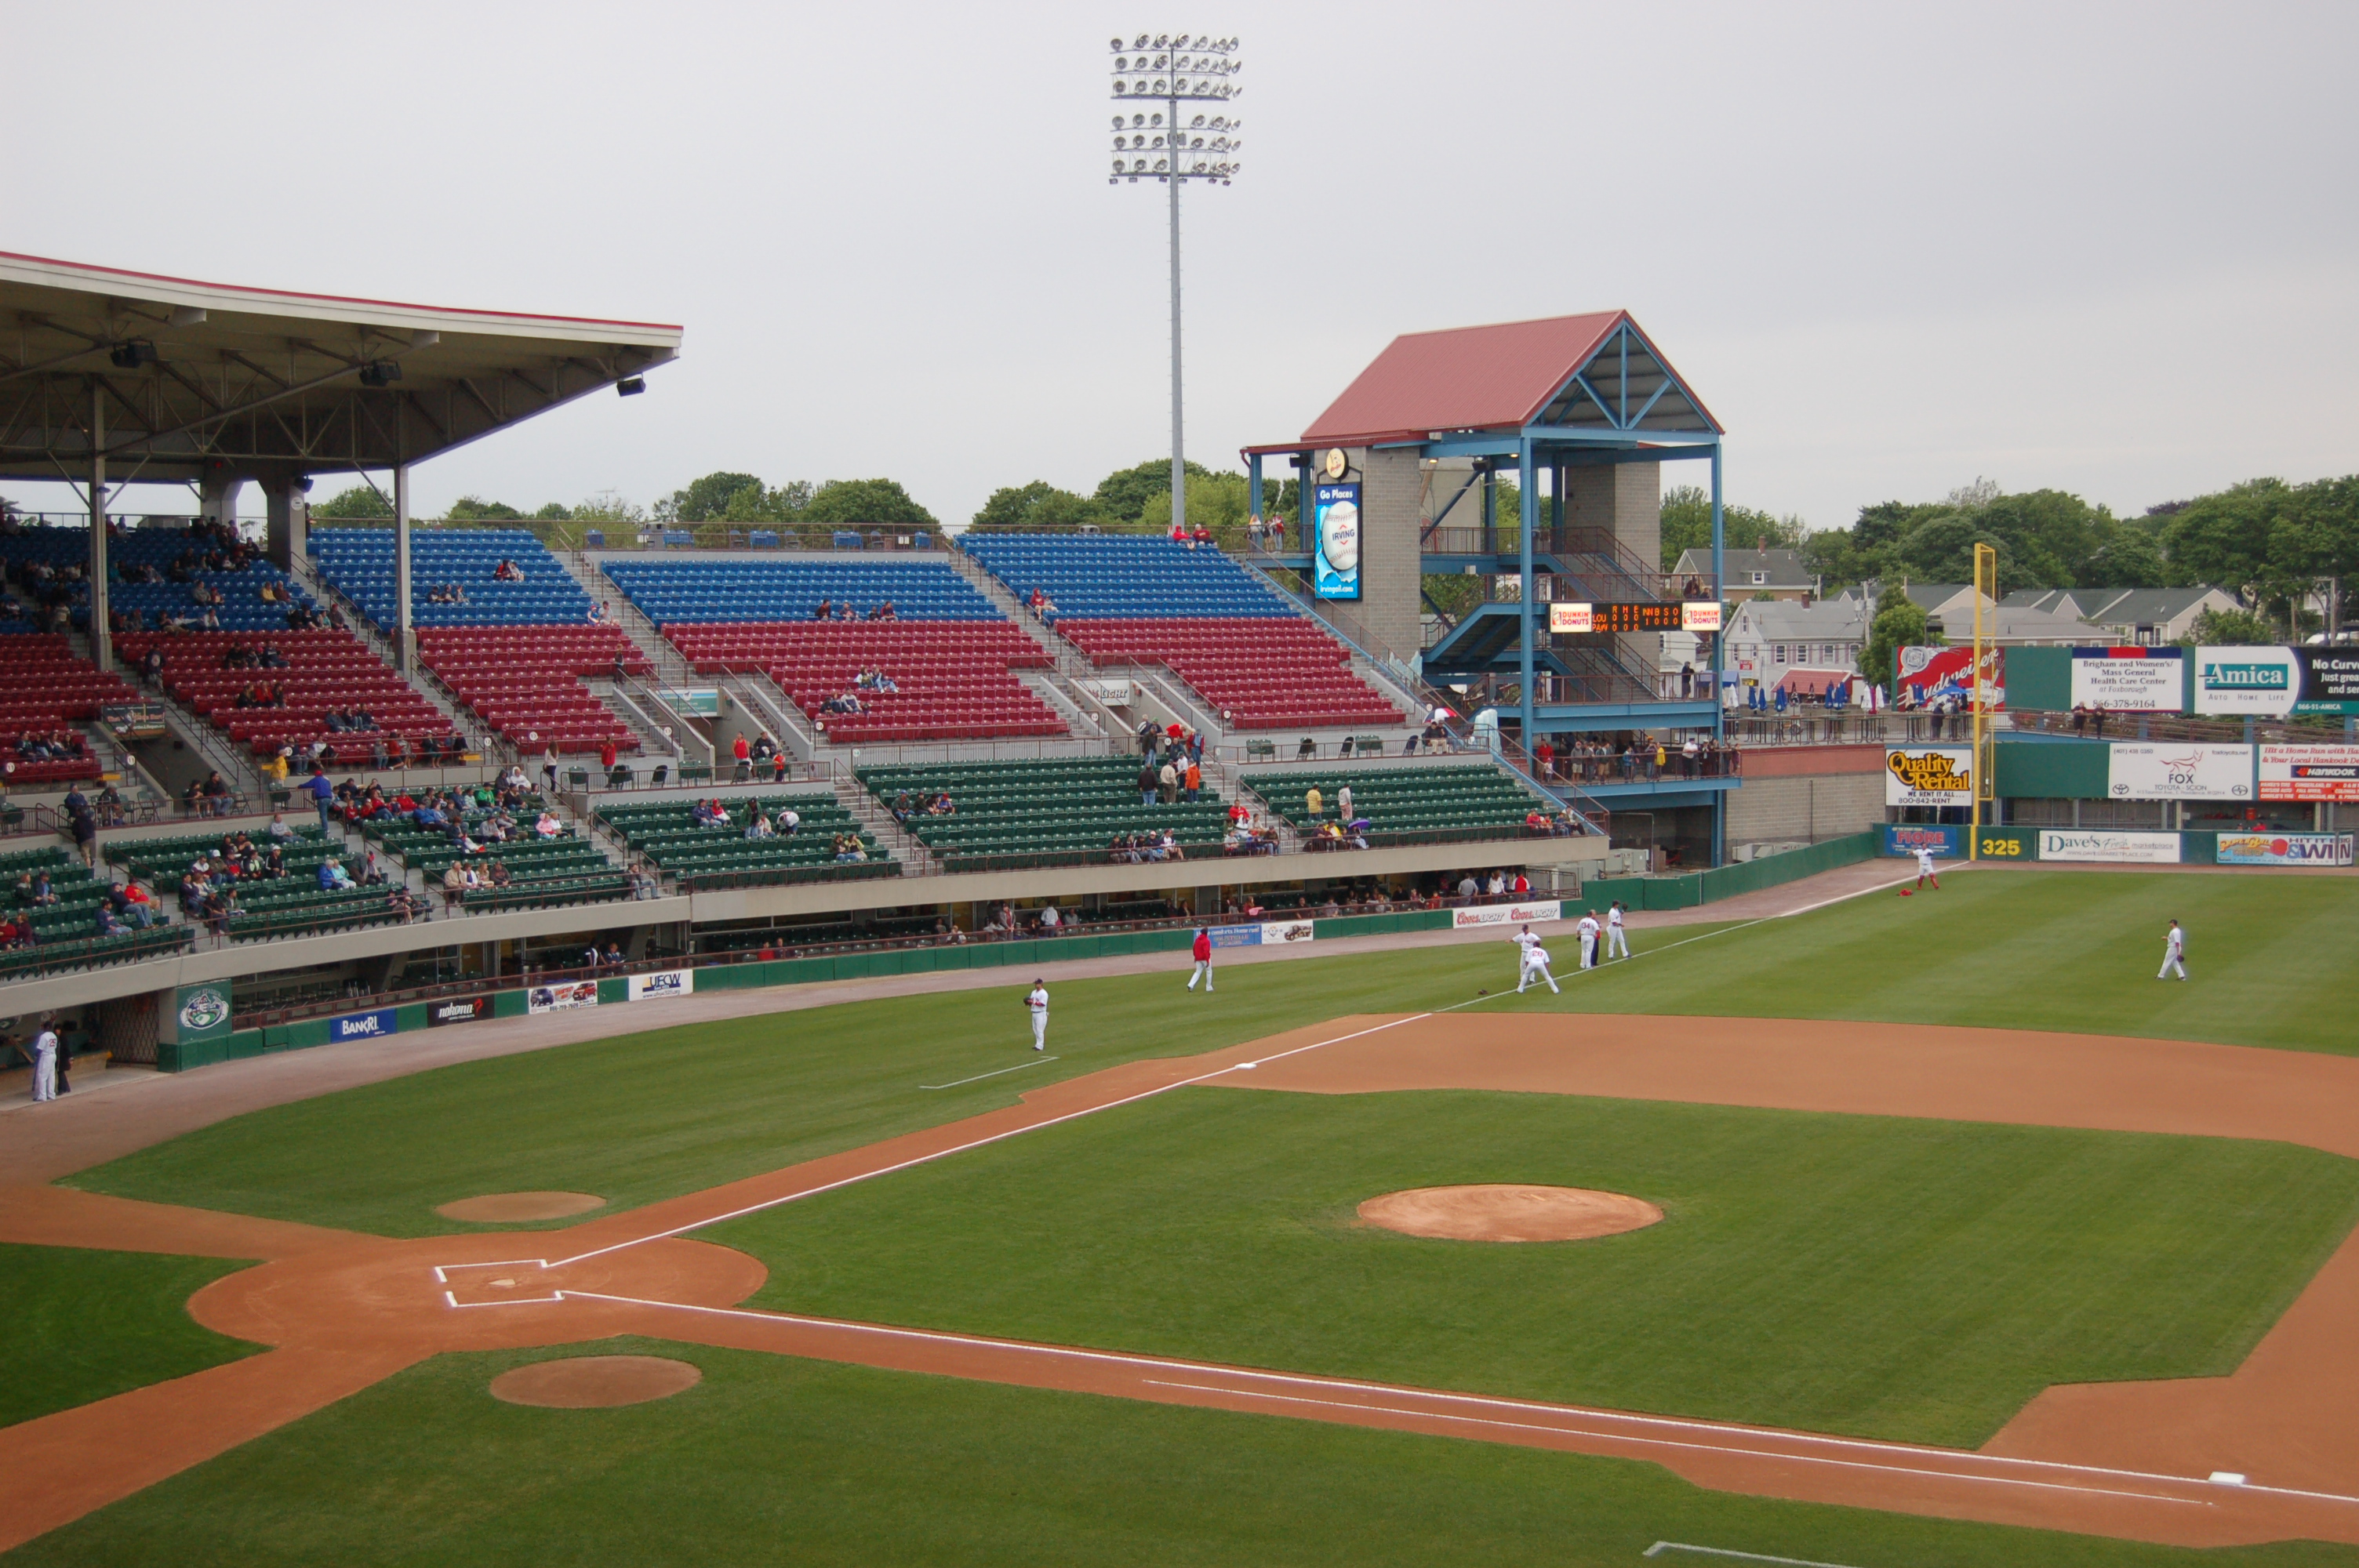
(1949,1235)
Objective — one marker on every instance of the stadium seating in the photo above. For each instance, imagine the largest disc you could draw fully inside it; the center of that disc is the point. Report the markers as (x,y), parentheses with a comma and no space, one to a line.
(242,607)
(546,872)
(1406,805)
(359,563)
(45,688)
(327,670)
(668,592)
(949,652)
(1128,599)
(522,681)
(65,932)
(1052,811)
(160,862)
(953,677)
(703,858)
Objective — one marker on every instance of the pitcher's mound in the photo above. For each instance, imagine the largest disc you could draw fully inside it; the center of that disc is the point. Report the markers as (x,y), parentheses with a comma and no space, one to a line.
(595,1382)
(1503,1212)
(504,1208)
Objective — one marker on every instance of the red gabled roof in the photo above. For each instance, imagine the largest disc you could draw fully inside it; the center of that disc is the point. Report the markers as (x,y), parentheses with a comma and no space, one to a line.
(1467,378)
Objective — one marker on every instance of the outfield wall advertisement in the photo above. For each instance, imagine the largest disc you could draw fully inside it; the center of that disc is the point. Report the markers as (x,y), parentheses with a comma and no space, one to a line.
(1928,775)
(2263,682)
(1903,839)
(363,1025)
(2109,846)
(2284,849)
(2309,773)
(1507,914)
(1931,674)
(2330,680)
(2180,772)
(664,982)
(1263,934)
(2129,680)
(558,998)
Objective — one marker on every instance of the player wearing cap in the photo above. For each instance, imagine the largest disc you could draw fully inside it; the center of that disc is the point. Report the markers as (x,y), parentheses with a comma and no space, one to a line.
(1204,951)
(1535,961)
(1038,1002)
(2174,953)
(1588,929)
(1615,940)
(1925,867)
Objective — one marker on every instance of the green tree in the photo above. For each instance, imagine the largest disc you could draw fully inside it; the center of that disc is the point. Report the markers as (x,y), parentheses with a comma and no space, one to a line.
(1039,506)
(476,508)
(554,512)
(1126,493)
(2230,629)
(1687,524)
(1454,594)
(1217,501)
(359,501)
(705,500)
(843,502)
(608,506)
(1899,623)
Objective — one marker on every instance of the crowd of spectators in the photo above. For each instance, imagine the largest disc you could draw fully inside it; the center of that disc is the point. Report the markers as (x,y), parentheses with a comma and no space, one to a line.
(1626,756)
(829,609)
(935,803)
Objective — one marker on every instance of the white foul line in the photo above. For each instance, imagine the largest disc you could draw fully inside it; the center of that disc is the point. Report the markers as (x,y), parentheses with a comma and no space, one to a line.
(993,1138)
(1020,1067)
(1574,1412)
(1662,1546)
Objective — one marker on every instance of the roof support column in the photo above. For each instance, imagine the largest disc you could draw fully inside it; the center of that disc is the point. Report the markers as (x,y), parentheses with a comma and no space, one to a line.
(405,637)
(102,631)
(1253,484)
(1529,503)
(1719,658)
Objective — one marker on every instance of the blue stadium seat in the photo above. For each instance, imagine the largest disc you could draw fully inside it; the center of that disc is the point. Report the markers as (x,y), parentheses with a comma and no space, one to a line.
(735,589)
(1118,576)
(359,562)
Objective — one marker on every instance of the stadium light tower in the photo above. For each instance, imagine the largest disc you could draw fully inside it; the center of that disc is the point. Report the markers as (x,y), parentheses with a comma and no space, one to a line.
(1171,95)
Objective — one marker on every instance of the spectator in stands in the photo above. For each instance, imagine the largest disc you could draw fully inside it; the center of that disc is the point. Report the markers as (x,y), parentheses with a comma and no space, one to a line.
(498,875)
(849,849)
(1053,921)
(902,808)
(1167,777)
(643,880)
(607,752)
(332,876)
(760,827)
(454,880)
(1149,777)
(1468,888)
(825,611)
(743,749)
(846,611)
(217,795)
(322,793)
(151,665)
(790,822)
(508,571)
(1168,847)
(886,611)
(598,614)
(1192,781)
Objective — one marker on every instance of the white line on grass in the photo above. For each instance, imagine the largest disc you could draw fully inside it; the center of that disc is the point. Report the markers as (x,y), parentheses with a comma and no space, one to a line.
(1020,1067)
(997,1137)
(1602,1418)
(1662,1546)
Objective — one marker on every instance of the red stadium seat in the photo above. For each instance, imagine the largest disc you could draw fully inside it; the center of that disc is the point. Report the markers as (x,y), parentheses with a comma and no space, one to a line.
(523,681)
(1265,672)
(955,677)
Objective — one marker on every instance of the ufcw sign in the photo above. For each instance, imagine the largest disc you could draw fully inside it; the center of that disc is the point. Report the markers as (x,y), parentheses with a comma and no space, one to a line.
(2224,675)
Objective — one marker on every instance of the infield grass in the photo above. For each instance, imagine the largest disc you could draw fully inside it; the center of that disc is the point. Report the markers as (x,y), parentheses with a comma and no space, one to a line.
(776,1460)
(649,1115)
(1900,1279)
(84,1325)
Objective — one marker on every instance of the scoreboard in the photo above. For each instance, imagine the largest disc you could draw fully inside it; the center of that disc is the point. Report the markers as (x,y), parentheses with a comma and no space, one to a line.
(1693,615)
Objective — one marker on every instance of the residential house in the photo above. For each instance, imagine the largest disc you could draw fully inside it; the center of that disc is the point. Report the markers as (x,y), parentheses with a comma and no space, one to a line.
(1768,638)
(2139,617)
(1751,573)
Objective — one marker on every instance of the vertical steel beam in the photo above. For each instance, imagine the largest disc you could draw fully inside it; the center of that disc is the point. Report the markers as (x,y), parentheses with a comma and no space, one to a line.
(1530,510)
(102,632)
(405,637)
(1719,657)
(1178,454)
(1253,486)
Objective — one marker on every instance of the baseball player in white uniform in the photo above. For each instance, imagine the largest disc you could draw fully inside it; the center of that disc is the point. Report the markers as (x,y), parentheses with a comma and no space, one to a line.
(45,1062)
(1925,867)
(1534,962)
(1588,929)
(1616,940)
(1038,1002)
(2174,953)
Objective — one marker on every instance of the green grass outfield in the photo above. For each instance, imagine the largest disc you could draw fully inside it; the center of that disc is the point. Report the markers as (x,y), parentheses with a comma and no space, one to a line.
(83,1325)
(772,1460)
(671,1110)
(1913,1281)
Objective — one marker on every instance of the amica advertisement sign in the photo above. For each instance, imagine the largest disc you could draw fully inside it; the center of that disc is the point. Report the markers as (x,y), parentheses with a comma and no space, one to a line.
(1335,541)
(2232,681)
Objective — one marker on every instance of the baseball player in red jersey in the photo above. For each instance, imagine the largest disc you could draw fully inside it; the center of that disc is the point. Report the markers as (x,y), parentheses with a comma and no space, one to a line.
(1204,951)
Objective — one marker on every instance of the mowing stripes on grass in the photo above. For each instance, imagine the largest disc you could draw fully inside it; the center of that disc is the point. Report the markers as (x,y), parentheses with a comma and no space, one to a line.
(1904,1279)
(770,1458)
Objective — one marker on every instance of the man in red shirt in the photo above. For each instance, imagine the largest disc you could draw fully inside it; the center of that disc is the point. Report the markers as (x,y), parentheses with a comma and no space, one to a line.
(743,752)
(1204,951)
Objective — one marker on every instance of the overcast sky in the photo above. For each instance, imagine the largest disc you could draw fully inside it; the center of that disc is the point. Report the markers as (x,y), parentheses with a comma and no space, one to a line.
(2109,249)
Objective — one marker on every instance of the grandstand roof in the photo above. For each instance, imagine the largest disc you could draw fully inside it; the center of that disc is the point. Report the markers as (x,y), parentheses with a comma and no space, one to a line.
(1597,371)
(264,381)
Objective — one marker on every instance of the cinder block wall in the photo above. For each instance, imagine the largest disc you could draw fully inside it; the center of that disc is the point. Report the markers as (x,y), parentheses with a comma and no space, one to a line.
(1390,491)
(1627,499)
(1807,806)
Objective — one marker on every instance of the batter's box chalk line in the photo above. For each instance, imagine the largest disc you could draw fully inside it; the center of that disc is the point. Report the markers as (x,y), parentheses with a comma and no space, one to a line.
(443,1272)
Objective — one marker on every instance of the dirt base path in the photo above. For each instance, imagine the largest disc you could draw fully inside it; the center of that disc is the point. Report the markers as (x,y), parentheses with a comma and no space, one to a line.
(2131,1461)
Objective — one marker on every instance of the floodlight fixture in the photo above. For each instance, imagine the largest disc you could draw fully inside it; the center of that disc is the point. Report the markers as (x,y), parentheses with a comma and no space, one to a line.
(131,355)
(1155,144)
(630,386)
(380,372)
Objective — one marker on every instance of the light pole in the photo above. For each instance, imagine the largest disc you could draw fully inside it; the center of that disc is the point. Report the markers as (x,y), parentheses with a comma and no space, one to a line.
(1171,92)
